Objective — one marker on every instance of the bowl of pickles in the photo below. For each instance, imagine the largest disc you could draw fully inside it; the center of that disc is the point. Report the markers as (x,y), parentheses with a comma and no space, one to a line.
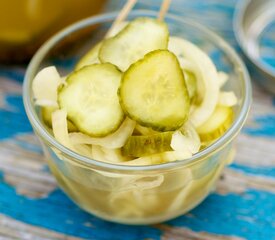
(137,126)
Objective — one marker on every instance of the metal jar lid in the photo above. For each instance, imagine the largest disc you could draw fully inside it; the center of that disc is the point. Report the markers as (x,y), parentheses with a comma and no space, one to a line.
(254,28)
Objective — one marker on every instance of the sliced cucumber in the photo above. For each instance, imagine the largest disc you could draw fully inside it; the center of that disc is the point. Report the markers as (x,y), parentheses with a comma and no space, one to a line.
(139,37)
(114,140)
(91,57)
(91,101)
(217,124)
(144,130)
(153,92)
(191,84)
(138,146)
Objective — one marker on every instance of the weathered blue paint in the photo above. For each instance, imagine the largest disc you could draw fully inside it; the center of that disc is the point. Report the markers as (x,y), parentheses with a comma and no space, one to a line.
(28,146)
(12,73)
(251,215)
(14,120)
(57,212)
(265,127)
(256,170)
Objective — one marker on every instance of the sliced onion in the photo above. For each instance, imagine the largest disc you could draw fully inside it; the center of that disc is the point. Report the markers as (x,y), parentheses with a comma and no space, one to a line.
(159,158)
(206,75)
(145,130)
(186,140)
(113,155)
(60,128)
(114,140)
(223,78)
(45,85)
(227,99)
(60,132)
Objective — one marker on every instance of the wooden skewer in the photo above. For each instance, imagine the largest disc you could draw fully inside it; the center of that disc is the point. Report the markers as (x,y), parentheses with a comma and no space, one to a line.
(128,7)
(122,15)
(164,8)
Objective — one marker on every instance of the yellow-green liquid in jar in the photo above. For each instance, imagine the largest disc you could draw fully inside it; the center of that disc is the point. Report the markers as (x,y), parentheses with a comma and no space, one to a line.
(127,199)
(25,24)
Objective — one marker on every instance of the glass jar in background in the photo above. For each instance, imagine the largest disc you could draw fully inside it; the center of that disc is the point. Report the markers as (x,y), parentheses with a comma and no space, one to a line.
(26,24)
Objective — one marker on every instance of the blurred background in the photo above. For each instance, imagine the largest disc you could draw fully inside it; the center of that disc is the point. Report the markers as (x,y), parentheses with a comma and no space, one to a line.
(26,24)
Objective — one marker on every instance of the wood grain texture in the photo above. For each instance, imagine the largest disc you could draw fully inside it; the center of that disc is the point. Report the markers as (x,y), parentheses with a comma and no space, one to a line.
(177,233)
(12,229)
(24,168)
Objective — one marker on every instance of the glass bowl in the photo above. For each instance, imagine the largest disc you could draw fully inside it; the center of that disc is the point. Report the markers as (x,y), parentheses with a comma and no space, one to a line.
(137,194)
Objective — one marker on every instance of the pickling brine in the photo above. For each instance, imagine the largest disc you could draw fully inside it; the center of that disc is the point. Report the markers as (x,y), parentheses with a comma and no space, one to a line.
(136,117)
(25,24)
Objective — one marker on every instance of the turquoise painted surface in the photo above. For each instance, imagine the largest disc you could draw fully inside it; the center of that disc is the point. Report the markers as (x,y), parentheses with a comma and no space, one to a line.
(250,215)
(232,216)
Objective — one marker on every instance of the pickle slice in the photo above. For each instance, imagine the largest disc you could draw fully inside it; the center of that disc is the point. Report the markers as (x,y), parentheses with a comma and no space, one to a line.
(190,81)
(139,37)
(91,57)
(153,92)
(217,124)
(139,146)
(144,130)
(91,101)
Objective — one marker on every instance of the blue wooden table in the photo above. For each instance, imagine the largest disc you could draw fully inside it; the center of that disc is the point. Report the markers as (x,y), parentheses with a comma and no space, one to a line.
(243,206)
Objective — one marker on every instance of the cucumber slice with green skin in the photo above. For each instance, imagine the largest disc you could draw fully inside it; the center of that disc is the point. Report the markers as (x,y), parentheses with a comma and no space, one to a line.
(139,146)
(153,92)
(139,37)
(91,57)
(91,101)
(191,84)
(217,124)
(145,130)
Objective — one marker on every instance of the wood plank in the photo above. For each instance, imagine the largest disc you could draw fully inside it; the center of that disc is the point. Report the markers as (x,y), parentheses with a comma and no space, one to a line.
(11,229)
(233,181)
(255,151)
(177,233)
(24,168)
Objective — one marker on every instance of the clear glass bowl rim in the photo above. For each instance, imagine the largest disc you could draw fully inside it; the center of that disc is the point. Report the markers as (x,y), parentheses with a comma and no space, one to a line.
(73,156)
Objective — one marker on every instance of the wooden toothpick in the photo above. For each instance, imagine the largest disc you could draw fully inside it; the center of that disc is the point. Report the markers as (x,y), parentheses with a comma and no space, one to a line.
(164,8)
(122,14)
